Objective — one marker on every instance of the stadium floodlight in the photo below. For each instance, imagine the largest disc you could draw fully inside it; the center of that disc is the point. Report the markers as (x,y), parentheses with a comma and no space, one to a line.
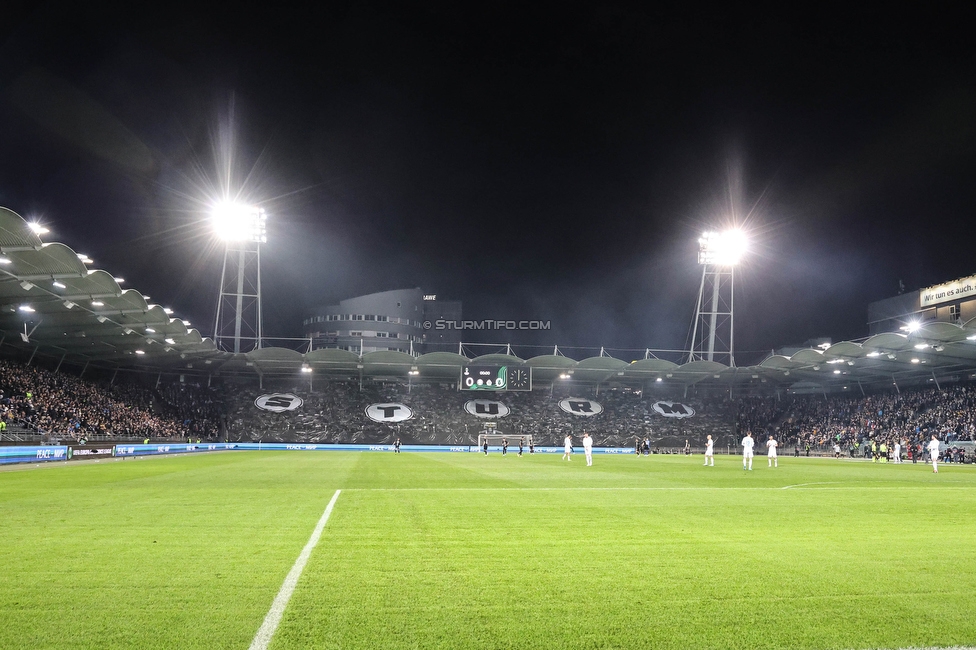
(140,352)
(306,368)
(564,376)
(37,228)
(718,253)
(5,261)
(26,308)
(150,330)
(57,285)
(171,341)
(119,280)
(912,326)
(722,248)
(971,337)
(237,222)
(97,303)
(243,229)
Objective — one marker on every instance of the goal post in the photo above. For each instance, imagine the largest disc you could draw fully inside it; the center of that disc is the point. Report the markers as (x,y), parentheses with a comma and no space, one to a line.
(495,440)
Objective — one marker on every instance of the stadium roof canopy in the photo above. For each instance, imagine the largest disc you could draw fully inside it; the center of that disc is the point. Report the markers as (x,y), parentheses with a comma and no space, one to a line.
(51,300)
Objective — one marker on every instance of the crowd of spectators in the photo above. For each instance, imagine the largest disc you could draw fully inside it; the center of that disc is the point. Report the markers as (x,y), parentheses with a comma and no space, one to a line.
(69,407)
(908,418)
(59,405)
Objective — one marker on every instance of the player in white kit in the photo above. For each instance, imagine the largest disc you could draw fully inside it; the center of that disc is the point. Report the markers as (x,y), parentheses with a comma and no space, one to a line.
(897,451)
(710,451)
(933,448)
(588,449)
(771,445)
(568,447)
(747,444)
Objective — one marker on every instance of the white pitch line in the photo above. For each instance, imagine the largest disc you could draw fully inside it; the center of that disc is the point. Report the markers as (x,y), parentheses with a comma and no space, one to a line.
(787,487)
(273,618)
(676,489)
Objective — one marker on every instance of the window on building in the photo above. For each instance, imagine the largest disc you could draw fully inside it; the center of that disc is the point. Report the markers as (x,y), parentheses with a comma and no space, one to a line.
(353,333)
(370,317)
(382,335)
(955,312)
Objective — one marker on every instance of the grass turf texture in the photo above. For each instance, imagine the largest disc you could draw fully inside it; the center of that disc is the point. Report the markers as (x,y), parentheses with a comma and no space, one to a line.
(460,550)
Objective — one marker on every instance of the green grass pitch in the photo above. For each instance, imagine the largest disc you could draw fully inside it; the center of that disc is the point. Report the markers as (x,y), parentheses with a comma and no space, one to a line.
(461,550)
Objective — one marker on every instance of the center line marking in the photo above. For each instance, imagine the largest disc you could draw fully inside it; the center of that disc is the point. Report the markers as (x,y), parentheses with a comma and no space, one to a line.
(273,618)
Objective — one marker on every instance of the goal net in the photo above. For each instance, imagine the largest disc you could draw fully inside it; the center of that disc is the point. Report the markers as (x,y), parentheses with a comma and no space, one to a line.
(495,440)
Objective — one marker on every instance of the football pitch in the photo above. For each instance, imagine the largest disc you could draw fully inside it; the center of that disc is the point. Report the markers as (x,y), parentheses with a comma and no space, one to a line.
(457,550)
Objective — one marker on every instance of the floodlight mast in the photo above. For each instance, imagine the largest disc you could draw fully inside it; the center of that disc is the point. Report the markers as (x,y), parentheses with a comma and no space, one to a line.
(713,329)
(238,325)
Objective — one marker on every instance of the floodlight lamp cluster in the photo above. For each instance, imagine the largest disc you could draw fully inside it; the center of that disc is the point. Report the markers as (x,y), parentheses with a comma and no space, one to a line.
(235,222)
(722,248)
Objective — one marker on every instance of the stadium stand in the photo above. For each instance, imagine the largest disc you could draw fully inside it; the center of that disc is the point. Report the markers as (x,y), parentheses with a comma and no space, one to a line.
(334,412)
(59,405)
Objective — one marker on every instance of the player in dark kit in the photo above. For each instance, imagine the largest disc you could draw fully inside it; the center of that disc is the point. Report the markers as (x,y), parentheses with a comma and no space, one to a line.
(521,446)
(531,447)
(484,446)
(504,446)
(396,446)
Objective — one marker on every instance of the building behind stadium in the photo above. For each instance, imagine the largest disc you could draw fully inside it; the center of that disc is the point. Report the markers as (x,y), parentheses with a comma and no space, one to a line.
(949,302)
(388,320)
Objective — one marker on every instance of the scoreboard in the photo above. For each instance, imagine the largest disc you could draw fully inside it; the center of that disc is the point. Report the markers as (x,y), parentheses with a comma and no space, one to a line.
(496,378)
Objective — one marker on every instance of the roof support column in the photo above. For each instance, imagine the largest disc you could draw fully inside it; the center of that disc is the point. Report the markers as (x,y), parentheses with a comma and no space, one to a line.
(84,369)
(32,355)
(861,387)
(60,362)
(896,384)
(113,375)
(936,379)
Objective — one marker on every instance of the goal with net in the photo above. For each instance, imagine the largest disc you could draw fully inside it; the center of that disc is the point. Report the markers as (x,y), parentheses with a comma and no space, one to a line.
(495,439)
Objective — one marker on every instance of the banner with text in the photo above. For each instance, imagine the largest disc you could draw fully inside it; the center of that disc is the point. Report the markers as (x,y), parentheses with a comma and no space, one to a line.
(940,293)
(9,455)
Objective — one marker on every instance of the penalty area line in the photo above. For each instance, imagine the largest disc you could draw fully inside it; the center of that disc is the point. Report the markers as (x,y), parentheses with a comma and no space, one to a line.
(273,618)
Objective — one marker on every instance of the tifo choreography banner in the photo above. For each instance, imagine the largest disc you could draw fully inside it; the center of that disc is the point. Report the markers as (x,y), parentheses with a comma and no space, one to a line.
(394,412)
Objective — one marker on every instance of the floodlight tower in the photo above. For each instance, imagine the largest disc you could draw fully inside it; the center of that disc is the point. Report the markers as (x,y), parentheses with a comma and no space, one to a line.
(713,332)
(242,228)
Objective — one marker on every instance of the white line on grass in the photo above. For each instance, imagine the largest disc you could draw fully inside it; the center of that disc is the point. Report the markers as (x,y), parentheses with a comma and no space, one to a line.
(271,621)
(787,487)
(934,486)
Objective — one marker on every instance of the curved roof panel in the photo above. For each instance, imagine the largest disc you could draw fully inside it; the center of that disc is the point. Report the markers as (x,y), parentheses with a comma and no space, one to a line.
(496,359)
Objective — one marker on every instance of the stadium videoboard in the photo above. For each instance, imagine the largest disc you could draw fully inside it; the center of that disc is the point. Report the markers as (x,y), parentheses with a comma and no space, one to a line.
(495,378)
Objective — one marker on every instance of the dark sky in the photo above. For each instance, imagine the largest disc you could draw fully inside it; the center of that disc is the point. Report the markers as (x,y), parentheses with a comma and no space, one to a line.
(555,163)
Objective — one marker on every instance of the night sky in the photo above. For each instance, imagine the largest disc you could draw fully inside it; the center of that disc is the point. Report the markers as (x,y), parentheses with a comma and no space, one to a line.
(556,163)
